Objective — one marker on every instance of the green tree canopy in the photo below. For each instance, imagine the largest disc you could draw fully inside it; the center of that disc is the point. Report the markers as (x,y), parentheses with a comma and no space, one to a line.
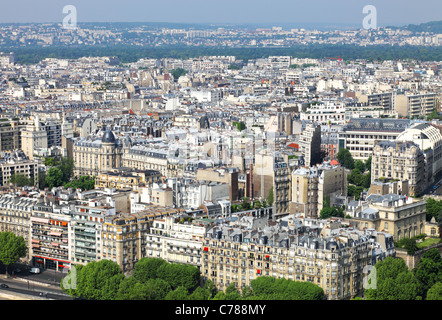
(178,72)
(20,180)
(12,248)
(179,293)
(83,183)
(146,268)
(394,282)
(178,275)
(429,268)
(435,292)
(270,288)
(345,158)
(270,196)
(434,208)
(54,177)
(92,279)
(360,166)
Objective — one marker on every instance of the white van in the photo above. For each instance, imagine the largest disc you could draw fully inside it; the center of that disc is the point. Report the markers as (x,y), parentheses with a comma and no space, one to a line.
(34,270)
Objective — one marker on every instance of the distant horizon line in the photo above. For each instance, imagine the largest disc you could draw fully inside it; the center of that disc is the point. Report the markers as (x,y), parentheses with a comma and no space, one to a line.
(256,24)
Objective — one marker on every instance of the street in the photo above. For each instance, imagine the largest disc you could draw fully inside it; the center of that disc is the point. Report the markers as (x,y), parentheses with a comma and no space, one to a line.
(44,285)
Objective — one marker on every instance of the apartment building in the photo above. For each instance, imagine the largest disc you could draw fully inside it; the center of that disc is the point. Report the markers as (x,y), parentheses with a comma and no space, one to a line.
(7,59)
(330,141)
(359,134)
(176,239)
(142,157)
(399,215)
(414,105)
(225,175)
(191,194)
(50,231)
(310,187)
(123,239)
(271,174)
(310,144)
(394,160)
(145,197)
(15,216)
(95,154)
(383,100)
(429,139)
(325,113)
(333,259)
(123,178)
(86,228)
(16,162)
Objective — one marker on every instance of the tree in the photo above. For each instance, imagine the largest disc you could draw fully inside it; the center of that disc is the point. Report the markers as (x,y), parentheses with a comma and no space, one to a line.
(20,180)
(93,278)
(179,293)
(146,268)
(178,72)
(355,177)
(435,292)
(50,162)
(360,166)
(111,286)
(368,163)
(83,183)
(433,208)
(178,275)
(345,158)
(270,196)
(354,191)
(42,184)
(54,177)
(270,288)
(328,212)
(66,167)
(410,245)
(12,248)
(429,268)
(394,282)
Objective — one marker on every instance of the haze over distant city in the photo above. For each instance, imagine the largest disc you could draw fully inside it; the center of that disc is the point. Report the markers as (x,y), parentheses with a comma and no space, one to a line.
(295,13)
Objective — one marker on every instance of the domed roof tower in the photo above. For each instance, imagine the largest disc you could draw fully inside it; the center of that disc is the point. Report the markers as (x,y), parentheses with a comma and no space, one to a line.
(108,137)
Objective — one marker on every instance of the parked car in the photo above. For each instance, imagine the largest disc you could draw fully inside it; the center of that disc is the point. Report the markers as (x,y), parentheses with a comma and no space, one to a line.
(34,270)
(3,285)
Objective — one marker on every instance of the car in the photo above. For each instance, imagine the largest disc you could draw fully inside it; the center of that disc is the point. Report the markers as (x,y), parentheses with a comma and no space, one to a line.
(35,270)
(3,285)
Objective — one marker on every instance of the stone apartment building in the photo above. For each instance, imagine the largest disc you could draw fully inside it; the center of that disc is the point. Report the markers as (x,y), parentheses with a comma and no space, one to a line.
(394,160)
(15,215)
(334,258)
(399,215)
(142,157)
(310,144)
(176,241)
(271,173)
(311,186)
(95,155)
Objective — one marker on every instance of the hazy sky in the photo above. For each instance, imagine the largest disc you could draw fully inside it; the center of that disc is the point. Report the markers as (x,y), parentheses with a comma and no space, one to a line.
(348,12)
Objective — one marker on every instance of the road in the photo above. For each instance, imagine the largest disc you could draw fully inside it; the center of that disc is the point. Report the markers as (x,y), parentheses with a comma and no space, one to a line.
(45,285)
(33,289)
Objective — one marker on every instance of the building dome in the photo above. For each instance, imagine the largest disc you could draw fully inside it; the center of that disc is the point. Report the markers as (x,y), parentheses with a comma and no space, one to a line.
(108,137)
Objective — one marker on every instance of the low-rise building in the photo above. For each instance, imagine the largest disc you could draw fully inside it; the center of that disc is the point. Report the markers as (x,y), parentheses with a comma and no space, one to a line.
(399,215)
